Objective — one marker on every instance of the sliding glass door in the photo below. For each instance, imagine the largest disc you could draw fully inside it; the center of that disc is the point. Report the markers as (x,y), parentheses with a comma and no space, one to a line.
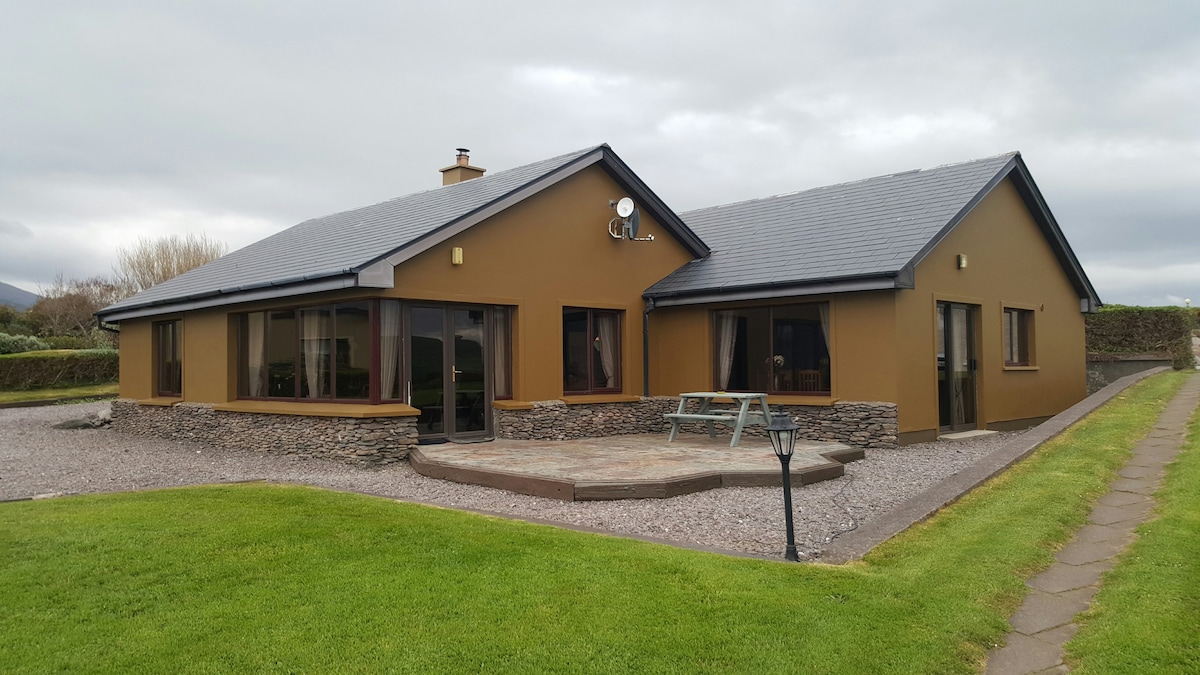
(956,366)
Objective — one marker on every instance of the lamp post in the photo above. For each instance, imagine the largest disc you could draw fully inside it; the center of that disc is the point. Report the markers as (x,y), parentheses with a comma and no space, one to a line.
(782,432)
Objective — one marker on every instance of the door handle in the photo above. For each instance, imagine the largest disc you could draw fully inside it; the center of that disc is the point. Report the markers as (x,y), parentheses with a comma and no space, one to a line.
(454,373)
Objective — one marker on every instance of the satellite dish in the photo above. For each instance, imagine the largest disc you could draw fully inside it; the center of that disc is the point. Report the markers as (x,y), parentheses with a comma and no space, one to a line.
(631,224)
(625,207)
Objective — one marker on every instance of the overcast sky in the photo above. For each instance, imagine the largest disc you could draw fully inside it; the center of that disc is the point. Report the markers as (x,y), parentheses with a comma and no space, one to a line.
(121,120)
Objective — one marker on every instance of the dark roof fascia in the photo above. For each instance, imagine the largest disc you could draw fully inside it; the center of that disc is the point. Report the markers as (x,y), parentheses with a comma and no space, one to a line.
(778,291)
(962,213)
(331,282)
(601,154)
(1032,196)
(643,195)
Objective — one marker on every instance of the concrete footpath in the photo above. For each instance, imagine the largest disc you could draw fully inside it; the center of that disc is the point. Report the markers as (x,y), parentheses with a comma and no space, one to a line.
(1046,620)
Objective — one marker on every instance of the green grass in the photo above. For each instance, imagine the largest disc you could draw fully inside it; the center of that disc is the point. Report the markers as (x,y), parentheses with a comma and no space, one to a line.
(97,390)
(55,353)
(1146,618)
(294,579)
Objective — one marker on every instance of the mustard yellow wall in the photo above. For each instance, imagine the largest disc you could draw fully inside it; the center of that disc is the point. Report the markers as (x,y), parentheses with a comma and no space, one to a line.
(548,252)
(136,359)
(883,342)
(1008,263)
(551,251)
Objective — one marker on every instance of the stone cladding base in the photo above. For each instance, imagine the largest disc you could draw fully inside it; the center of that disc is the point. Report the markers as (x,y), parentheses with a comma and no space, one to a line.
(369,440)
(855,423)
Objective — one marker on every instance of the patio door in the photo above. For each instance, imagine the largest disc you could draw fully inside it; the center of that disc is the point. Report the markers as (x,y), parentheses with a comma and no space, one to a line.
(956,366)
(449,367)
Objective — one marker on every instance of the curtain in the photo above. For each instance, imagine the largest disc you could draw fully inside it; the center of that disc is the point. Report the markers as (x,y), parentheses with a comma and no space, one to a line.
(823,308)
(606,329)
(501,352)
(315,334)
(255,347)
(726,336)
(389,346)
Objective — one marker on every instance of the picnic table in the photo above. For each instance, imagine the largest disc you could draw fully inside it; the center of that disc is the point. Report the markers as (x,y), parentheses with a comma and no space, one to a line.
(738,417)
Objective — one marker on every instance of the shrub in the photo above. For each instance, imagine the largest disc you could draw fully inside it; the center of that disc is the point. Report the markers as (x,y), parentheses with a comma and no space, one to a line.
(15,344)
(1132,330)
(62,368)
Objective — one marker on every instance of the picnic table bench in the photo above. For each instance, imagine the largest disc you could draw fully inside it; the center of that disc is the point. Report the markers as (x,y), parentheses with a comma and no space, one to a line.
(738,417)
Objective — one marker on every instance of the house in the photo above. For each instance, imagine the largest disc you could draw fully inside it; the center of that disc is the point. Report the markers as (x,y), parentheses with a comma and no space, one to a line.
(538,303)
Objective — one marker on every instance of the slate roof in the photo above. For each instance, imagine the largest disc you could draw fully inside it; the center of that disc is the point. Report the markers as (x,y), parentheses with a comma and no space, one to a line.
(329,252)
(861,235)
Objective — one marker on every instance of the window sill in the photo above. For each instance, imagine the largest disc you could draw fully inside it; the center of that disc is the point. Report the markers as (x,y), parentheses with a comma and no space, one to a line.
(782,399)
(358,410)
(509,404)
(163,401)
(600,398)
(1020,368)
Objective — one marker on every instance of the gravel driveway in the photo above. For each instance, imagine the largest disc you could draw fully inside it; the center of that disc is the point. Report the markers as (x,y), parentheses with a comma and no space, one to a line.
(38,460)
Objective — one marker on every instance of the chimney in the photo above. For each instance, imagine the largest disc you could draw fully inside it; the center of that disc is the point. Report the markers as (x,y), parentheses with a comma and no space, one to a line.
(461,169)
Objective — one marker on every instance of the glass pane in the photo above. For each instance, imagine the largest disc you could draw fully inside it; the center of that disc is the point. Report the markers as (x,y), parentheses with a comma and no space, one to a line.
(390,382)
(942,374)
(960,354)
(577,350)
(256,347)
(427,368)
(799,359)
(606,350)
(314,352)
(470,396)
(281,353)
(750,357)
(170,368)
(502,352)
(352,350)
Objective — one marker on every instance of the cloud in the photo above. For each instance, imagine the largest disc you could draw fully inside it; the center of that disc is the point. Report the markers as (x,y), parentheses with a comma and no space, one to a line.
(239,119)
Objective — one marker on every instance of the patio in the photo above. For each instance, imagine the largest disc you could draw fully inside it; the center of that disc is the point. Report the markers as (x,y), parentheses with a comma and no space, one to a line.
(639,466)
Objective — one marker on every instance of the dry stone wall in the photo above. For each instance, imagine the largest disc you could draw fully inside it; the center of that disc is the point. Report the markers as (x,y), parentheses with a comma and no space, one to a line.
(371,440)
(855,423)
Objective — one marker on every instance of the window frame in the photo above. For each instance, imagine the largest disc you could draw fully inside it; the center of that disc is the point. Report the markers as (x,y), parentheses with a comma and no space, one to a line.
(174,387)
(243,366)
(1017,322)
(771,350)
(592,389)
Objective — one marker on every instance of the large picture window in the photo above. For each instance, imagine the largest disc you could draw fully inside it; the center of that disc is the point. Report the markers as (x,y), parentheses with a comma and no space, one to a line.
(313,353)
(1018,325)
(591,351)
(783,349)
(167,361)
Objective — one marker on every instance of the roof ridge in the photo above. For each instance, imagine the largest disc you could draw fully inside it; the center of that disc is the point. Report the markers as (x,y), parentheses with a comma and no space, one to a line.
(491,176)
(1012,153)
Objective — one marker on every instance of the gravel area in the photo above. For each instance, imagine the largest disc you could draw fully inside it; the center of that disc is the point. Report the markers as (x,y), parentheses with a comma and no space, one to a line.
(36,460)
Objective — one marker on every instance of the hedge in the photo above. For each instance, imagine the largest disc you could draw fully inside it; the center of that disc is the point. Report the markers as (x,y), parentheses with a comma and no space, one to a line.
(15,344)
(1133,330)
(60,368)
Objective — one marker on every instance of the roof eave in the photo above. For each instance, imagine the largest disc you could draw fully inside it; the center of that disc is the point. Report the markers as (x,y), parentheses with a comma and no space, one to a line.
(283,289)
(875,282)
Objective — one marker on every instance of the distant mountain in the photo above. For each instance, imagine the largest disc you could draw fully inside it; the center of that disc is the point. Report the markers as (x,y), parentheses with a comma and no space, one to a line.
(15,297)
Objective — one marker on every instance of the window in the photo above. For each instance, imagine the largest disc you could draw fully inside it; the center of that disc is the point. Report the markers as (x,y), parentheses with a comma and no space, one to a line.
(1018,327)
(591,351)
(167,361)
(314,353)
(782,349)
(502,353)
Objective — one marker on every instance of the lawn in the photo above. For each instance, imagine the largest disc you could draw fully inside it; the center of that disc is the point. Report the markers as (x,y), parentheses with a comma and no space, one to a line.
(90,390)
(294,579)
(1146,618)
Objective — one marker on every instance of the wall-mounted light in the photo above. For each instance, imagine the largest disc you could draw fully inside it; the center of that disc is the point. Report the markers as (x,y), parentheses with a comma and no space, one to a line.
(962,261)
(456,255)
